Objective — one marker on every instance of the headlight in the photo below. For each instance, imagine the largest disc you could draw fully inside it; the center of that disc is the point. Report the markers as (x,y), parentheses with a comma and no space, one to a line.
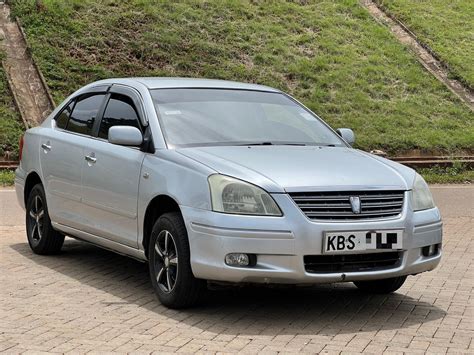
(421,198)
(231,195)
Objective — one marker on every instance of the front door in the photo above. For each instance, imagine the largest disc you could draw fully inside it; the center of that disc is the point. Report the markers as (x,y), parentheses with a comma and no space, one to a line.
(111,174)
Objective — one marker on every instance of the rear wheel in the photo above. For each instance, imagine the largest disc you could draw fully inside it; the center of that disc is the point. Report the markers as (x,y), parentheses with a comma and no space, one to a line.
(169,264)
(43,239)
(381,286)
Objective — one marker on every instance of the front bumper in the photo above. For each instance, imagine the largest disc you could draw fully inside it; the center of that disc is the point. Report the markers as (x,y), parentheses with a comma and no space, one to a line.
(281,243)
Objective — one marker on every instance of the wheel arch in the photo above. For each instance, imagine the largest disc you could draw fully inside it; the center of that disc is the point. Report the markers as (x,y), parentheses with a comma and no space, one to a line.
(158,206)
(32,179)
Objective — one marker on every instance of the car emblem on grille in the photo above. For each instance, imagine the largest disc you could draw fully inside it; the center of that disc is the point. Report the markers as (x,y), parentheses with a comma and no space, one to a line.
(355,204)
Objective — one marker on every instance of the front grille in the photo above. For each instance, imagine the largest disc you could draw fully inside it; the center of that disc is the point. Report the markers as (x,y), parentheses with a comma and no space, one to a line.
(336,205)
(352,262)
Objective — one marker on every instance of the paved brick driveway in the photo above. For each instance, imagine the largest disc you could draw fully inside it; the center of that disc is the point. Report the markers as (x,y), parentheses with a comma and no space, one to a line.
(87,299)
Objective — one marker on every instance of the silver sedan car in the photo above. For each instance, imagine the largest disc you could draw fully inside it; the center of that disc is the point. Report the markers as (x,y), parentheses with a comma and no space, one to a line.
(222,182)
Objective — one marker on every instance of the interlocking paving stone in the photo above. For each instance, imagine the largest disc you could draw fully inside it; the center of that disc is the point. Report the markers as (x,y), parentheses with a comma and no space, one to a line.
(90,300)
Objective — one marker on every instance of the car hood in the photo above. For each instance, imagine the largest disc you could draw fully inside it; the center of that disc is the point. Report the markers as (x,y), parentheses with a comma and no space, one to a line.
(304,168)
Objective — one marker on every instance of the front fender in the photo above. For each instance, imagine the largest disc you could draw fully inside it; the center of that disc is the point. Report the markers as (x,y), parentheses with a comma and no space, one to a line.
(172,174)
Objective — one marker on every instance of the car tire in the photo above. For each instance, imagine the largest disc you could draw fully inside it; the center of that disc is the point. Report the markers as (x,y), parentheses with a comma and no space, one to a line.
(169,264)
(383,286)
(42,238)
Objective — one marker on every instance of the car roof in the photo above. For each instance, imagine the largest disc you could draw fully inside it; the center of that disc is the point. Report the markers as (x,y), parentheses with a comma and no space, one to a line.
(172,83)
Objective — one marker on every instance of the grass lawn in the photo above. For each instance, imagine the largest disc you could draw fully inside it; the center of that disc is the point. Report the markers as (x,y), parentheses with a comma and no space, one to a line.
(10,124)
(6,177)
(330,54)
(455,174)
(446,26)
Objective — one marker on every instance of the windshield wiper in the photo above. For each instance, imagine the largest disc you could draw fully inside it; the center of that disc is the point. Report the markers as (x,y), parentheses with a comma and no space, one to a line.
(273,143)
(299,144)
(260,143)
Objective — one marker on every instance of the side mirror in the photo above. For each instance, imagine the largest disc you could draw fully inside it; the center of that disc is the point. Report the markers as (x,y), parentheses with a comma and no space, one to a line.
(125,135)
(347,134)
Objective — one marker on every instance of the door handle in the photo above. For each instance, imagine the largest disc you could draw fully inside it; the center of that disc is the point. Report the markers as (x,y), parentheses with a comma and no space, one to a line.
(90,158)
(46,146)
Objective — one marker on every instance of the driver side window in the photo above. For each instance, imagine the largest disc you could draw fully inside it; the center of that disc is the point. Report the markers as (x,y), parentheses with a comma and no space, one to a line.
(120,111)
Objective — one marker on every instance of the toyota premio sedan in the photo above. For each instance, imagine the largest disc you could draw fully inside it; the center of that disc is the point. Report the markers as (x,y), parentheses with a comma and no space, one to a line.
(223,182)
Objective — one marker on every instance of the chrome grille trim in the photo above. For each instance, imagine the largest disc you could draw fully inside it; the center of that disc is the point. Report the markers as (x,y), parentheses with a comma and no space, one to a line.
(335,205)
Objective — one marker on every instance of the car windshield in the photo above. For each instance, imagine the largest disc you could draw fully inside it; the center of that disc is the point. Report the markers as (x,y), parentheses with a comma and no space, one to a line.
(211,117)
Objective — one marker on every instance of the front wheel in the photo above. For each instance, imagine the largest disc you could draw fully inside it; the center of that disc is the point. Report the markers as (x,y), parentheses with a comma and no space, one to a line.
(43,239)
(169,264)
(381,286)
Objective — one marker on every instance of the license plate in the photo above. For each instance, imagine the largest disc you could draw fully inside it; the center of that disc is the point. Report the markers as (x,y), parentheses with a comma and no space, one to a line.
(349,242)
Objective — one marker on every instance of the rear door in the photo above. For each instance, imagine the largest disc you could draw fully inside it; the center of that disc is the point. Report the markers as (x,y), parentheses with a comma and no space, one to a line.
(62,154)
(111,174)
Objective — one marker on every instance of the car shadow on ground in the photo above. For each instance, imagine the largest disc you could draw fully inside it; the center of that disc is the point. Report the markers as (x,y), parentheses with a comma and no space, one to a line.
(323,309)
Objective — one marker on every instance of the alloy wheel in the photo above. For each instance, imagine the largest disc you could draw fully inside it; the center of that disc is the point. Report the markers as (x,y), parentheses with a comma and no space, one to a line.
(166,261)
(36,217)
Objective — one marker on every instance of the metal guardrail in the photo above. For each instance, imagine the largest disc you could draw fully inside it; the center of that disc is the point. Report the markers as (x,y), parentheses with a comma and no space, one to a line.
(8,164)
(413,162)
(429,161)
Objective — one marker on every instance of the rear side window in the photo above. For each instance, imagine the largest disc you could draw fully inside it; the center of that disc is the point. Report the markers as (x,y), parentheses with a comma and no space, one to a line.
(84,114)
(120,111)
(63,118)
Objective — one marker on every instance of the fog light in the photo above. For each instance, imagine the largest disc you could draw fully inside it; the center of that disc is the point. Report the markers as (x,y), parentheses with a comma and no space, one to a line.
(237,259)
(430,250)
